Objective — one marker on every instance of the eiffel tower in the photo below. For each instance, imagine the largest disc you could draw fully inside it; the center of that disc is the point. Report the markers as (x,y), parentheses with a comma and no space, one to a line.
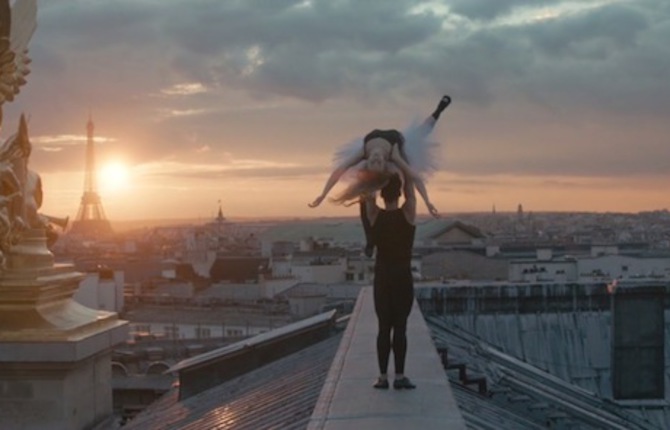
(91,221)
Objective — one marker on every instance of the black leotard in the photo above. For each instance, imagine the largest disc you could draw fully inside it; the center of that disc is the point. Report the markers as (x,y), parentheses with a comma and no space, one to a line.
(394,137)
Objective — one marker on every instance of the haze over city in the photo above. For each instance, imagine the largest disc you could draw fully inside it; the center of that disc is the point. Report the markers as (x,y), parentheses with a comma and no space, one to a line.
(561,106)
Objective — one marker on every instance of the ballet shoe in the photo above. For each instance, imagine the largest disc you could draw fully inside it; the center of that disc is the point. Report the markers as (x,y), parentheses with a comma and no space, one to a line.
(444,102)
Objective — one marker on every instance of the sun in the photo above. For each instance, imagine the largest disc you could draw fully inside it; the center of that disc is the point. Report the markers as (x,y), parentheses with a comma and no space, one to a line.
(114,176)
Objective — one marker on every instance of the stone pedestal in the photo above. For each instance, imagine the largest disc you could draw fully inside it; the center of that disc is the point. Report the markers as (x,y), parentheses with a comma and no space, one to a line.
(55,354)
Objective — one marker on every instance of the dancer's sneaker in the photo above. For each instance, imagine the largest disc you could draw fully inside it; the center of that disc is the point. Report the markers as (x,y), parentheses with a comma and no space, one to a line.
(382,384)
(403,384)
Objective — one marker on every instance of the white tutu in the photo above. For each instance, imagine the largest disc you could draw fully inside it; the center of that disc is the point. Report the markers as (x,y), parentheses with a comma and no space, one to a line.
(346,152)
(422,153)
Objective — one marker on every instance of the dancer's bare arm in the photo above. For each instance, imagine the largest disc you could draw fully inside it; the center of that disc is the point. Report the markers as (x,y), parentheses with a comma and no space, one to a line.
(409,173)
(409,207)
(371,207)
(336,175)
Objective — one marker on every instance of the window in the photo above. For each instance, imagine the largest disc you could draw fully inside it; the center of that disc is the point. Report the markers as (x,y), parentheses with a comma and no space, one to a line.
(171,331)
(143,328)
(203,332)
(638,363)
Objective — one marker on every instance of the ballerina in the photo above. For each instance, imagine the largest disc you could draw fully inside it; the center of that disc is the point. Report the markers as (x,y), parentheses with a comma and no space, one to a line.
(381,154)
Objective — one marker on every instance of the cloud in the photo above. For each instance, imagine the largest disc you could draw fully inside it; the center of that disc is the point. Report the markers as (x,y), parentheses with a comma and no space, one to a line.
(486,10)
(62,139)
(366,50)
(241,168)
(184,89)
(321,50)
(68,139)
(170,113)
(277,80)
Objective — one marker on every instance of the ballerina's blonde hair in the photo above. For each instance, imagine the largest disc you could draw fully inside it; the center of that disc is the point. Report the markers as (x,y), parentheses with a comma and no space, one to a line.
(366,182)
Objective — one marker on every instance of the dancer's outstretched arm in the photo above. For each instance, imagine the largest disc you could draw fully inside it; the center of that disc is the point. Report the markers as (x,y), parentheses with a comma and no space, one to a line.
(409,173)
(336,175)
(409,207)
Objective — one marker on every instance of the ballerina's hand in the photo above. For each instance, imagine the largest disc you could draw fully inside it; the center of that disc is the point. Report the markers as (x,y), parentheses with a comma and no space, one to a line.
(317,201)
(433,210)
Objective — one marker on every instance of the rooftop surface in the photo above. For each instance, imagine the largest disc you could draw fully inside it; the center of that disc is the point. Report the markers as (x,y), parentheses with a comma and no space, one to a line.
(348,399)
(279,395)
(311,389)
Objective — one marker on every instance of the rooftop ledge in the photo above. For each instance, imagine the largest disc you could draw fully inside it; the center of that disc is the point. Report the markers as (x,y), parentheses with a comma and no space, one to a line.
(348,399)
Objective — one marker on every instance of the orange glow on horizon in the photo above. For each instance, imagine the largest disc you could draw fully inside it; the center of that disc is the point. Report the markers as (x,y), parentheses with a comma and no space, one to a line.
(143,197)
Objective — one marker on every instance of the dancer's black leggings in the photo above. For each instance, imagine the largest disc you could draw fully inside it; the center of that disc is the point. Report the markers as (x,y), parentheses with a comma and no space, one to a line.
(392,335)
(393,303)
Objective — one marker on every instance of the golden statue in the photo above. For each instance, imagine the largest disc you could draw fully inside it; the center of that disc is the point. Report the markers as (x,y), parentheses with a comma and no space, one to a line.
(21,191)
(17,25)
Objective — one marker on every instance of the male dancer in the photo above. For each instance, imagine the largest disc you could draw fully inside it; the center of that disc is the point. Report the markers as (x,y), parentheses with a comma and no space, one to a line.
(393,230)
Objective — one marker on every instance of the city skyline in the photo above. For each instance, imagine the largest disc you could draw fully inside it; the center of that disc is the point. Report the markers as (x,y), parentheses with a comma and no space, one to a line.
(560,107)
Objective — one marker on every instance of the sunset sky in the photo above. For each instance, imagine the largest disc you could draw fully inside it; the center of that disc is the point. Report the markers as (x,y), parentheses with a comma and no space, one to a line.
(558,105)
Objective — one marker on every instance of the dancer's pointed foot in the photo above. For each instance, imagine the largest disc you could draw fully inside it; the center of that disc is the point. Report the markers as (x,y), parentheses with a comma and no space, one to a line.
(444,102)
(441,106)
